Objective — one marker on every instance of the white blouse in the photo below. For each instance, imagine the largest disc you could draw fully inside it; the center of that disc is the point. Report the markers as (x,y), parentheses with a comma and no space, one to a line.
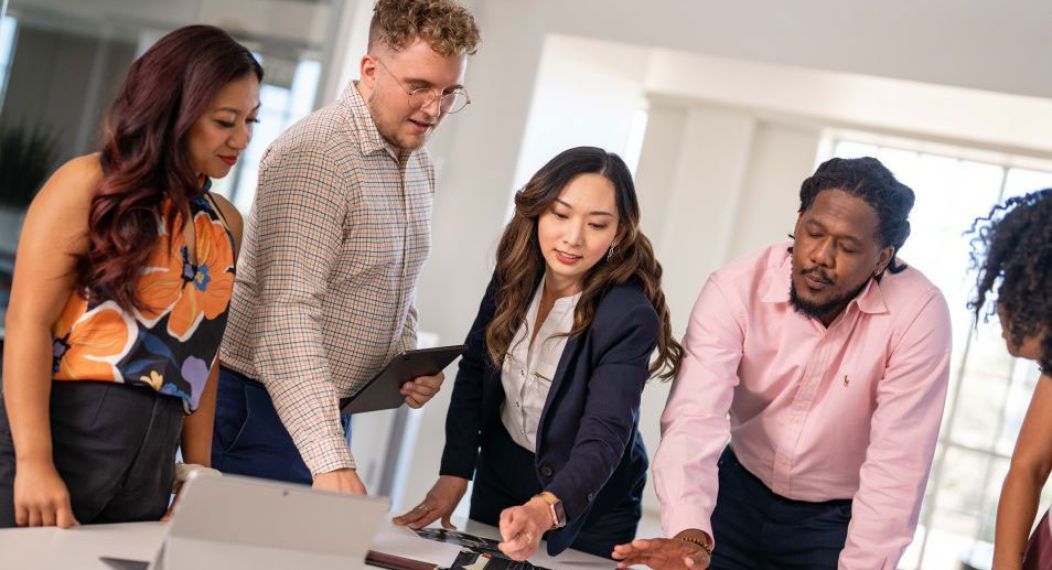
(530,367)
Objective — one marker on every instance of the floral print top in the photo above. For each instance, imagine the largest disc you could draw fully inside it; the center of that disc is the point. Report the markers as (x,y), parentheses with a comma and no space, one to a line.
(172,344)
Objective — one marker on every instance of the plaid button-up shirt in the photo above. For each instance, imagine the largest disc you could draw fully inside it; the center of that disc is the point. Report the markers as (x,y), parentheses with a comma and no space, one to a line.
(337,235)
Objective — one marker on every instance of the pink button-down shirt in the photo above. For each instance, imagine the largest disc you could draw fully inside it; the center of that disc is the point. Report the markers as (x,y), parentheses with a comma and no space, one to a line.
(848,411)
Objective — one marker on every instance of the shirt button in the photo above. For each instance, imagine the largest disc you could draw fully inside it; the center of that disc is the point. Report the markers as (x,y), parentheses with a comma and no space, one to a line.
(546,471)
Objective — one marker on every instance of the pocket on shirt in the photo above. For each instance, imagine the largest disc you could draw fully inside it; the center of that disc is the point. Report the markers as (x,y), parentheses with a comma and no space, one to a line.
(538,389)
(545,372)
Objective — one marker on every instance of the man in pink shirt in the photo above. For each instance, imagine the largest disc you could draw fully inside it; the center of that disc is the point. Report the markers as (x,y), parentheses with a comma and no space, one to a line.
(832,359)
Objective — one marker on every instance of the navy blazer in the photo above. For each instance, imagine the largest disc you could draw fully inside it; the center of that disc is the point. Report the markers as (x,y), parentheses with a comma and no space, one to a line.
(589,450)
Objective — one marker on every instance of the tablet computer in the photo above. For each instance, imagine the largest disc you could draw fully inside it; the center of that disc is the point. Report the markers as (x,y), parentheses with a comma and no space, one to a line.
(383,392)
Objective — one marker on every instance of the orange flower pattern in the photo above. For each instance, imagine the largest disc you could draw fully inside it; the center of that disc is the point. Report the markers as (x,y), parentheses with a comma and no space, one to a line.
(94,343)
(171,344)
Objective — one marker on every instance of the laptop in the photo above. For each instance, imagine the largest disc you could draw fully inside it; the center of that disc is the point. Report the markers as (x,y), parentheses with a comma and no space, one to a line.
(233,522)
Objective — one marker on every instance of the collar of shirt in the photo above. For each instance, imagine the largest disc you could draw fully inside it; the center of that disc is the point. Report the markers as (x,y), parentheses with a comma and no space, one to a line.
(561,306)
(870,300)
(560,309)
(369,138)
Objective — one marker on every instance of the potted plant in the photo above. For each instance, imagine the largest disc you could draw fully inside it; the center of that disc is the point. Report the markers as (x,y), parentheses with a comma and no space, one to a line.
(27,156)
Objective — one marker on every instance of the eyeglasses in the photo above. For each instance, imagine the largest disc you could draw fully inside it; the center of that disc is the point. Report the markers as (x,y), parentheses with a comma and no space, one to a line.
(449,103)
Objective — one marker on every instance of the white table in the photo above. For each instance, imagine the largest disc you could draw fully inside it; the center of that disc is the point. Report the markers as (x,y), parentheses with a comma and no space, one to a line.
(80,548)
(48,548)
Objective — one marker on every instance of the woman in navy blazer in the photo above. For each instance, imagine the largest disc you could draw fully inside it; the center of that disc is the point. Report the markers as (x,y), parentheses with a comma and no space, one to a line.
(545,407)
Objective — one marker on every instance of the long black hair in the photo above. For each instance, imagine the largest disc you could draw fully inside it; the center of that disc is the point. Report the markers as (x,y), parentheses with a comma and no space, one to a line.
(1012,251)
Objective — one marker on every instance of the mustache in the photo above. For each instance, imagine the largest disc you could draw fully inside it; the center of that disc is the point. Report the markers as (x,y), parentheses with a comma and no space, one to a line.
(818,274)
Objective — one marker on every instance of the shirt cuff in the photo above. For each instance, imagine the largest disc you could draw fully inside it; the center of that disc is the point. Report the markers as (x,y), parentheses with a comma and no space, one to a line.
(674,523)
(327,454)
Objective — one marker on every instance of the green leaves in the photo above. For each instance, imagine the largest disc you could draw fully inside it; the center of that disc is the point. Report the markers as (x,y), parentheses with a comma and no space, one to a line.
(27,156)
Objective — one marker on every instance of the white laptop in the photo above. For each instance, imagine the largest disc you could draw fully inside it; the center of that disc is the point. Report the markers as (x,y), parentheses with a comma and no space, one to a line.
(235,522)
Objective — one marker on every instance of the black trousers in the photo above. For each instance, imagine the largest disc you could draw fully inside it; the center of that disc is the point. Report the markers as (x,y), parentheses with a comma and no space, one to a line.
(758,530)
(114,446)
(505,476)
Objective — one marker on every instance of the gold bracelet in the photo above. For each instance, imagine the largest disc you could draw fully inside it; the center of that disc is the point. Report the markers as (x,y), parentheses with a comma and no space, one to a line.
(704,544)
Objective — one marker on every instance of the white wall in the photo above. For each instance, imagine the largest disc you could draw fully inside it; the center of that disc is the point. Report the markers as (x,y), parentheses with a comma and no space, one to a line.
(586,94)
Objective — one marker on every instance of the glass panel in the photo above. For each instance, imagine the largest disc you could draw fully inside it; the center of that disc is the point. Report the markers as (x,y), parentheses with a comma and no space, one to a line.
(1025,376)
(960,491)
(280,107)
(634,144)
(1022,181)
(849,149)
(991,494)
(7,44)
(902,163)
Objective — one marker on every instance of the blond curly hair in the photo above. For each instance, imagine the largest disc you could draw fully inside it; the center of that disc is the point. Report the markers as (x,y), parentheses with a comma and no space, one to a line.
(445,25)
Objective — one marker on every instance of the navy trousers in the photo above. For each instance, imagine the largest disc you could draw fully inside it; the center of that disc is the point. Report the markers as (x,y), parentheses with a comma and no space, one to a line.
(505,476)
(756,529)
(249,437)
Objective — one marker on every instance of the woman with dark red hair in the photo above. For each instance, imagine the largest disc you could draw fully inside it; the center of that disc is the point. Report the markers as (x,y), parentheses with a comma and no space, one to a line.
(122,279)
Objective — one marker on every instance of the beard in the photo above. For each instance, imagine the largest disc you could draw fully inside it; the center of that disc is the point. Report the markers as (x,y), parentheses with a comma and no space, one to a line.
(819,310)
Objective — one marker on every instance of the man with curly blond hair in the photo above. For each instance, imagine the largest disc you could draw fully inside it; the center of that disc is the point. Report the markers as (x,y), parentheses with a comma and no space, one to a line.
(338,233)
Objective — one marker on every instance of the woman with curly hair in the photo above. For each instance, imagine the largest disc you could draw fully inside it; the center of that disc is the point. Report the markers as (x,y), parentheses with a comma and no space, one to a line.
(122,282)
(545,407)
(1013,252)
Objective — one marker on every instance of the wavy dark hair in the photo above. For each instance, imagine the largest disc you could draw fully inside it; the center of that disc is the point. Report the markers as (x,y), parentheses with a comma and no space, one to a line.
(870,180)
(144,155)
(520,263)
(1012,251)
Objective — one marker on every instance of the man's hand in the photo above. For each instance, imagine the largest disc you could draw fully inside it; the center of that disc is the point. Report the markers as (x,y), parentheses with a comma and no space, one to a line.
(662,554)
(41,497)
(419,390)
(439,503)
(521,528)
(340,481)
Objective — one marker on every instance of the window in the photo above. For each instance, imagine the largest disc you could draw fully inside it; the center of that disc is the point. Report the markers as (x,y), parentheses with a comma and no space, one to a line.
(7,47)
(280,107)
(634,144)
(989,390)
